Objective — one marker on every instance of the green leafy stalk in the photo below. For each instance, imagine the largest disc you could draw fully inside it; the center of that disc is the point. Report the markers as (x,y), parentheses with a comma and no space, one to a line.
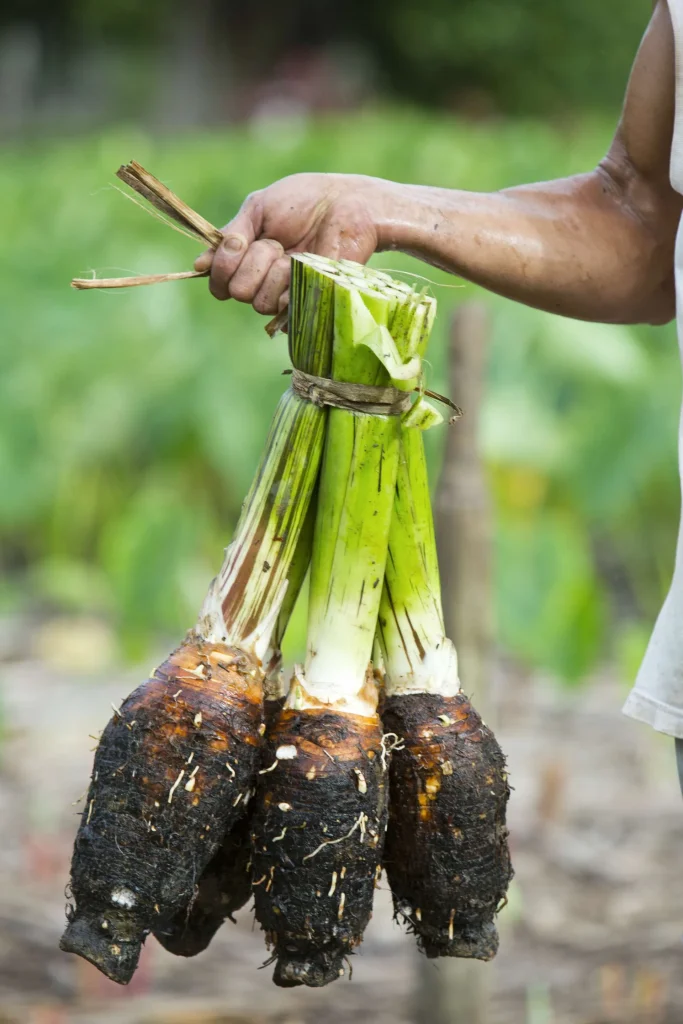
(349,552)
(244,600)
(417,655)
(274,687)
(377,333)
(308,811)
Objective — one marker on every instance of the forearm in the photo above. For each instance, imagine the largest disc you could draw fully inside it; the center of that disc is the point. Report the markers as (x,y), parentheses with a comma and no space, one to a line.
(597,246)
(576,246)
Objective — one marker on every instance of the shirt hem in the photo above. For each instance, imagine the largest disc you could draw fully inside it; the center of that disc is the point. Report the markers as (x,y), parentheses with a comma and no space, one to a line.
(662,717)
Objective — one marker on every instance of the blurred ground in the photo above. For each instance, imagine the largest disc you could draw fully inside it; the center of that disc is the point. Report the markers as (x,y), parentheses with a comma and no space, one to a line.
(592,934)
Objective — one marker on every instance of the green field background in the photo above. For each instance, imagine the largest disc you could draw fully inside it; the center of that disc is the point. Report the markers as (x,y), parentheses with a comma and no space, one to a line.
(131,422)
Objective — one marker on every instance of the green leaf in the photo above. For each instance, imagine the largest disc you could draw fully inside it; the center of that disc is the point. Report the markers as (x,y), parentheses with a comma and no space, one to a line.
(549,605)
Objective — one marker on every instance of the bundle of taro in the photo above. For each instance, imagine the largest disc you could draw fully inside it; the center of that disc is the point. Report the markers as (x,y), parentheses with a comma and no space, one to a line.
(210,784)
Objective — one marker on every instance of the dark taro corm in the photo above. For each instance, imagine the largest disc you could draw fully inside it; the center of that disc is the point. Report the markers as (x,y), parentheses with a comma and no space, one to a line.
(446,854)
(223,889)
(225,884)
(317,834)
(173,770)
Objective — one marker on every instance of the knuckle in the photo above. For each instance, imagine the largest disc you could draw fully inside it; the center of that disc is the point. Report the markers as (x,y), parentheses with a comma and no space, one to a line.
(264,304)
(217,289)
(251,202)
(242,289)
(272,243)
(282,267)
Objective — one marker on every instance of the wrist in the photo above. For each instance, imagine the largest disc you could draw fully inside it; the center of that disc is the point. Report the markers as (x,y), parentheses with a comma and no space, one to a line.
(396,213)
(390,209)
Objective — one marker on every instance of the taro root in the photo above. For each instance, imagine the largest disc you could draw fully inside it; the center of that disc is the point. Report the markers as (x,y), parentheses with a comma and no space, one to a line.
(446,855)
(175,767)
(317,832)
(173,771)
(319,816)
(225,884)
(223,889)
(170,840)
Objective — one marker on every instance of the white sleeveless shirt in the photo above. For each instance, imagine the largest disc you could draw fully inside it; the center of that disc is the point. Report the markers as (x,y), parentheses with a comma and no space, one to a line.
(657,697)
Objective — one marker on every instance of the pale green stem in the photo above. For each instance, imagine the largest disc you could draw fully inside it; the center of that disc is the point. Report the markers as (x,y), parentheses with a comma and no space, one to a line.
(355,501)
(273,683)
(349,551)
(417,655)
(244,600)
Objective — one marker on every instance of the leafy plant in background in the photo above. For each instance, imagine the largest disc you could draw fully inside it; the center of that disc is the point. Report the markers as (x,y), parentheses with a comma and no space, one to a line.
(130,422)
(527,57)
(580,433)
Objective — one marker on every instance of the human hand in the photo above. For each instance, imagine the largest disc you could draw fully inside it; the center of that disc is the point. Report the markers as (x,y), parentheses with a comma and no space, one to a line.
(335,215)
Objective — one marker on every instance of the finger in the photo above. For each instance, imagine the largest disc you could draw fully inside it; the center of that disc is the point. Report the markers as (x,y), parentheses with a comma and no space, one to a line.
(283,301)
(238,235)
(275,282)
(251,273)
(204,261)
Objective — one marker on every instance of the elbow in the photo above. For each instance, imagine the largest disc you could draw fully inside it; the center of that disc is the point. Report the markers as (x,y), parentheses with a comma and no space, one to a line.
(658,306)
(656,311)
(649,213)
(643,300)
(650,286)
(661,316)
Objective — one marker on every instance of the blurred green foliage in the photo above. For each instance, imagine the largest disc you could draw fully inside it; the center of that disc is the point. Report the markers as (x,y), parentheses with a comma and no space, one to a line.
(528,56)
(131,421)
(522,57)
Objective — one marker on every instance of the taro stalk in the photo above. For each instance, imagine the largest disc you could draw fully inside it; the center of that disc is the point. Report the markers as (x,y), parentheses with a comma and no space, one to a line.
(446,852)
(176,765)
(321,805)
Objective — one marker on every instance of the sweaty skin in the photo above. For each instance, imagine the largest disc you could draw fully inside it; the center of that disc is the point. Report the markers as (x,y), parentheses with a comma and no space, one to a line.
(596,246)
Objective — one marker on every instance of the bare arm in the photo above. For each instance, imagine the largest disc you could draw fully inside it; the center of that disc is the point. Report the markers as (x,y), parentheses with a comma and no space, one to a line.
(597,246)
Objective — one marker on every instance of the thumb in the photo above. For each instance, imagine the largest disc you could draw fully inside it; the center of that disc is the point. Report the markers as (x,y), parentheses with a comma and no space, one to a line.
(233,244)
(238,235)
(223,261)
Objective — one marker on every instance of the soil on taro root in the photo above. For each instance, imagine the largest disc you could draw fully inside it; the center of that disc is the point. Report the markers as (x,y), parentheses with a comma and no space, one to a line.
(592,933)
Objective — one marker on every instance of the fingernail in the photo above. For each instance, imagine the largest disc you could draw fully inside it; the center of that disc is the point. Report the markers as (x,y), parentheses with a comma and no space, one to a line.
(234,243)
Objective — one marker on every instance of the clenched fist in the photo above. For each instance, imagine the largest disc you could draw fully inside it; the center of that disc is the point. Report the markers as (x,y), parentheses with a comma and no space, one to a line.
(335,215)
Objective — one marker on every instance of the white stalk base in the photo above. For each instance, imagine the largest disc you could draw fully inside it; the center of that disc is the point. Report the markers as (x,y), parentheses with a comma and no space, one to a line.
(436,673)
(305,696)
(211,625)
